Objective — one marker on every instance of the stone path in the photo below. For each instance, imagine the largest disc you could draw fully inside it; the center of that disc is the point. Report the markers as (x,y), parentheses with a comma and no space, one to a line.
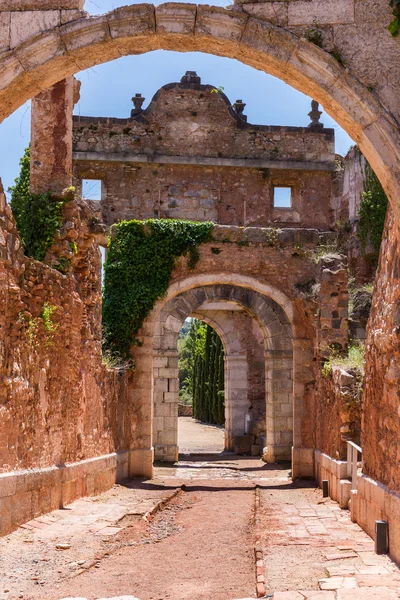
(200,546)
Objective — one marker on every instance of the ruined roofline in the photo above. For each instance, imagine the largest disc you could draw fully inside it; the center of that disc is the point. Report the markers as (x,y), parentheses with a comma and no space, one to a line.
(328,132)
(187,84)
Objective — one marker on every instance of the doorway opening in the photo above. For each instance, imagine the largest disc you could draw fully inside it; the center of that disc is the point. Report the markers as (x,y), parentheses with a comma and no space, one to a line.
(201,410)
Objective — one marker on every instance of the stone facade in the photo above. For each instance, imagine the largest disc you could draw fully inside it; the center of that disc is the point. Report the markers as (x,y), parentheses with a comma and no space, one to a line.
(192,155)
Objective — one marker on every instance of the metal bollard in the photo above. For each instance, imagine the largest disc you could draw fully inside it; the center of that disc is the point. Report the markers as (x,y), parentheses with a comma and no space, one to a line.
(381,537)
(325,488)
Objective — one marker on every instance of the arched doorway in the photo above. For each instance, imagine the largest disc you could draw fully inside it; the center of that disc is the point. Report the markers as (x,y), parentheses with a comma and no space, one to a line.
(277,332)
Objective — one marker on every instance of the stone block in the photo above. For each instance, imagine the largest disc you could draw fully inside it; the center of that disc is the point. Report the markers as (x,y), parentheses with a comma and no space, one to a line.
(40,5)
(217,23)
(176,18)
(30,23)
(4,31)
(242,444)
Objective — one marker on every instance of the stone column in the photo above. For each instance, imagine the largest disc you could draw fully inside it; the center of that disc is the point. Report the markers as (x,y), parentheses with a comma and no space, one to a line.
(236,397)
(51,137)
(166,398)
(279,399)
(140,395)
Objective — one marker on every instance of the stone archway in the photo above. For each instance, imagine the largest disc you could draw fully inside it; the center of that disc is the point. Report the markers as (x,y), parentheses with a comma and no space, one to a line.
(279,364)
(44,59)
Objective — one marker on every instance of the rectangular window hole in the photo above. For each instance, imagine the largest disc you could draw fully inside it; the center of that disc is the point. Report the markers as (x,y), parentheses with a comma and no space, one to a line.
(91,189)
(282,197)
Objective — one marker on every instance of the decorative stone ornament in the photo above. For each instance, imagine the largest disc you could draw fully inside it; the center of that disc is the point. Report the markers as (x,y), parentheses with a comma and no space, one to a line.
(138,103)
(239,108)
(315,115)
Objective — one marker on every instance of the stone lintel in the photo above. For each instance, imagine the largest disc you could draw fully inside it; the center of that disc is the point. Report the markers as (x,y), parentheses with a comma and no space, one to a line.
(246,163)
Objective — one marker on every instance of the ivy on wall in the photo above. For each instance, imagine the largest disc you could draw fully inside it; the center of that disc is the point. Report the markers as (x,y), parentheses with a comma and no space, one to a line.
(141,258)
(394,26)
(38,216)
(372,212)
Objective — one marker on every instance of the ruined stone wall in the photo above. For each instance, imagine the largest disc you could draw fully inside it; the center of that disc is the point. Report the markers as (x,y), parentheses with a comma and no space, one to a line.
(230,196)
(185,119)
(206,162)
(58,403)
(346,211)
(381,428)
(338,411)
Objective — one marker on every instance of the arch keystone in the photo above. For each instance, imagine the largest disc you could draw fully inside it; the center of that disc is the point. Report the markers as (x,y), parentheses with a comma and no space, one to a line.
(219,23)
(176,18)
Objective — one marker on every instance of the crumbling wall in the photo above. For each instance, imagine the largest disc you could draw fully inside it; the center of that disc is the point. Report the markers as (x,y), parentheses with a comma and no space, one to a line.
(226,195)
(381,425)
(58,403)
(338,411)
(192,155)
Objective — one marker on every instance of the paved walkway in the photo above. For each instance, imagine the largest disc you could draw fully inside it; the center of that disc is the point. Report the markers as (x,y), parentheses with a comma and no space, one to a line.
(195,437)
(200,545)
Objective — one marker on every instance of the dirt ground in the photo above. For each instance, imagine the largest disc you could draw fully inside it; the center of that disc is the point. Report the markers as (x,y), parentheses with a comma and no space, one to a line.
(200,544)
(195,437)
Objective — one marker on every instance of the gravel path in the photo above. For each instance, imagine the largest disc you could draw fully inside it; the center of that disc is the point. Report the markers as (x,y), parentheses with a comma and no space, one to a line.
(195,437)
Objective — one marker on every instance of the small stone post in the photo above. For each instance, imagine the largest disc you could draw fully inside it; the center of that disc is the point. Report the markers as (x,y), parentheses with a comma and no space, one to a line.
(51,137)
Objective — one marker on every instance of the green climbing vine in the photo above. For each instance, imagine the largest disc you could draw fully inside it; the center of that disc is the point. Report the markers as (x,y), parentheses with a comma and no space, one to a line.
(38,216)
(140,261)
(394,26)
(372,212)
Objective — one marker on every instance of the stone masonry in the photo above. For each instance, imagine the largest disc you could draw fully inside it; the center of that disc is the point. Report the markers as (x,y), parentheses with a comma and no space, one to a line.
(191,154)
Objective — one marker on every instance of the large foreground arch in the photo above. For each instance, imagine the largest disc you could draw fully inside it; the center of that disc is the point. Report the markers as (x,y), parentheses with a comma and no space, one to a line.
(42,60)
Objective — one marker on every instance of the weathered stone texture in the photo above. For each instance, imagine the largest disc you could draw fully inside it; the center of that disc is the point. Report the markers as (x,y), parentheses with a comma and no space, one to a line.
(338,411)
(206,163)
(381,408)
(58,403)
(333,304)
(51,137)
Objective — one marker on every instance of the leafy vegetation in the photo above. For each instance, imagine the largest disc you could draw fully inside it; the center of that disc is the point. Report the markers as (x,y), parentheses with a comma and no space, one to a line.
(38,216)
(201,372)
(140,261)
(394,26)
(355,359)
(372,213)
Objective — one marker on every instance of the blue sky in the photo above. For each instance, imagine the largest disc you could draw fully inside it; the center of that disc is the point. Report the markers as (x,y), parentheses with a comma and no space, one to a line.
(107,91)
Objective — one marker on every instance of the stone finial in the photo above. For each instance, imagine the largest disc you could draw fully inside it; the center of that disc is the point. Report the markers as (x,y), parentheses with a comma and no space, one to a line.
(191,77)
(138,103)
(238,107)
(315,115)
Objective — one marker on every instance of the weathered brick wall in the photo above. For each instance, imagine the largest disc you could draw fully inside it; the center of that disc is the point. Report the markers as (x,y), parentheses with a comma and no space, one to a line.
(58,403)
(225,169)
(337,411)
(381,410)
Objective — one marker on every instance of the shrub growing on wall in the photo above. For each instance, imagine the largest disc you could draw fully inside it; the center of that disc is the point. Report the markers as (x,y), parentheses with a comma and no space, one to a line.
(38,216)
(140,261)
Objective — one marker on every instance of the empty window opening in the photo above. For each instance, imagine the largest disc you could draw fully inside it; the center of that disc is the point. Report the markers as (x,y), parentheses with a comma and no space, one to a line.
(92,189)
(282,197)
